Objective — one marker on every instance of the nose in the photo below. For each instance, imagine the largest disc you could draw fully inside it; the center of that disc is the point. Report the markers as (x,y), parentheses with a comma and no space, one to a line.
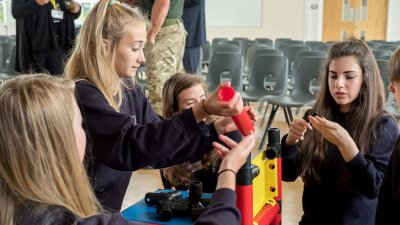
(141,58)
(340,81)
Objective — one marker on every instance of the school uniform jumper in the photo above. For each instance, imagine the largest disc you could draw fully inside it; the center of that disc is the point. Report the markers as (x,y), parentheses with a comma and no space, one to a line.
(353,201)
(388,211)
(222,211)
(135,137)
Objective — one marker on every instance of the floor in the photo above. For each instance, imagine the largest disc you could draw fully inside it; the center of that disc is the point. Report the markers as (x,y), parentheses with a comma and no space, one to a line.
(144,181)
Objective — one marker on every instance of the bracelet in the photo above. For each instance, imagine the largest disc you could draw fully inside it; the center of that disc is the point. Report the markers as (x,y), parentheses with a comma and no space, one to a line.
(224,170)
(204,108)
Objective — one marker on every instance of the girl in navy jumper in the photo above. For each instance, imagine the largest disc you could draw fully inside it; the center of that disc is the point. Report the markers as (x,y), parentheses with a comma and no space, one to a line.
(42,178)
(125,132)
(181,92)
(343,152)
(389,194)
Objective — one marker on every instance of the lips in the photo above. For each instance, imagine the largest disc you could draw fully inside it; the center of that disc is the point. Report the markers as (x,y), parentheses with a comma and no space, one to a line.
(340,93)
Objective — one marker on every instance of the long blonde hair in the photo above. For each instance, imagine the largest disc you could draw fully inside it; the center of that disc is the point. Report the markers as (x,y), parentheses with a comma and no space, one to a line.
(90,60)
(39,163)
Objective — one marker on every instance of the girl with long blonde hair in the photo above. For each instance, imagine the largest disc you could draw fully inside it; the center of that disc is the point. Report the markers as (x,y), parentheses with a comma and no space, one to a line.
(125,131)
(42,146)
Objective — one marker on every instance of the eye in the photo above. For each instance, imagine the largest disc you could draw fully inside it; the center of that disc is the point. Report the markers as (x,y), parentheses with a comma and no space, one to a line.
(333,76)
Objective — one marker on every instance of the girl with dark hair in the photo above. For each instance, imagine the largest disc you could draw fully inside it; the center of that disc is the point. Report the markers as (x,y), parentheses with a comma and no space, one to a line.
(343,152)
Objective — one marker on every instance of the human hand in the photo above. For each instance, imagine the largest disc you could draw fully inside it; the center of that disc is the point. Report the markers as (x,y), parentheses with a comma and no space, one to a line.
(234,157)
(75,7)
(297,129)
(331,131)
(224,125)
(42,2)
(214,106)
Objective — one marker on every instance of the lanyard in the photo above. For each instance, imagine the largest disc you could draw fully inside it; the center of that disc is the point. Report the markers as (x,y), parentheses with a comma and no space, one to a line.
(54,3)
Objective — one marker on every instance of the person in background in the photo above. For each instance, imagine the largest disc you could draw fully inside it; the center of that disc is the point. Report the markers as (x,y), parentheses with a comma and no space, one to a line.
(181,92)
(165,45)
(42,177)
(45,32)
(389,195)
(343,152)
(194,20)
(125,132)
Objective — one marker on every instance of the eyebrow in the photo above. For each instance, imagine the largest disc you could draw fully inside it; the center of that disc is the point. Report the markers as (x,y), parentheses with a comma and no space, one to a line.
(349,71)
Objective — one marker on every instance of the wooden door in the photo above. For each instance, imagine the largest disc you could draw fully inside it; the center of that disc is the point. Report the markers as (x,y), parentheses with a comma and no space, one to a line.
(364,19)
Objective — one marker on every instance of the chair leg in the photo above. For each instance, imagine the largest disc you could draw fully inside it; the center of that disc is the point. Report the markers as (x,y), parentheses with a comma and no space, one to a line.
(286,113)
(290,114)
(265,113)
(260,105)
(271,118)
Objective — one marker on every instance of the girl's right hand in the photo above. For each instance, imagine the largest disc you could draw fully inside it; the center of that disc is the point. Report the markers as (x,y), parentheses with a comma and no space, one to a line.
(234,156)
(297,129)
(216,107)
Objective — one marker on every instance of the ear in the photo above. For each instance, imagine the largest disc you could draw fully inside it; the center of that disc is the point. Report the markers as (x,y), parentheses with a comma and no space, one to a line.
(106,45)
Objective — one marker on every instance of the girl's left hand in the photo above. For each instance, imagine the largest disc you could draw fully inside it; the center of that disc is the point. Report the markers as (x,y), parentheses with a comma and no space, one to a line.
(331,131)
(225,124)
(337,135)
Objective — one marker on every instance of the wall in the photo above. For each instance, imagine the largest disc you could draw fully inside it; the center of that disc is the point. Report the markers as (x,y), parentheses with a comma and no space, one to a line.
(294,19)
(283,18)
(393,27)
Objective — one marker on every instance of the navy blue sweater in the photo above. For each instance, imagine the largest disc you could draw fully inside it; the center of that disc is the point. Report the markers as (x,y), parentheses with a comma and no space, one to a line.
(134,138)
(222,211)
(354,201)
(388,212)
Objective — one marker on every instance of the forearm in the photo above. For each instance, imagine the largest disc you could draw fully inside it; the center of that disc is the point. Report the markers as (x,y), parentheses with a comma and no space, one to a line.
(348,149)
(158,14)
(226,179)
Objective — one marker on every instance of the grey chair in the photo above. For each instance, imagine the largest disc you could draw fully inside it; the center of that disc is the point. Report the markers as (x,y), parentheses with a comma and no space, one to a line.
(291,51)
(249,57)
(206,53)
(6,53)
(268,78)
(301,95)
(373,45)
(225,66)
(11,63)
(264,41)
(390,47)
(383,66)
(141,78)
(296,63)
(280,41)
(258,51)
(382,54)
(216,41)
(226,48)
(311,44)
(324,47)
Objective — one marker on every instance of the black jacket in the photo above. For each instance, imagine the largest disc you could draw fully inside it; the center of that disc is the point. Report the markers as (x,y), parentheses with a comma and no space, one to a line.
(134,138)
(388,211)
(353,202)
(222,211)
(35,31)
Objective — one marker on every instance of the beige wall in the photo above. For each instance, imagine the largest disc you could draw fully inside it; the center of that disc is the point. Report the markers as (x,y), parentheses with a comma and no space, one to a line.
(280,18)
